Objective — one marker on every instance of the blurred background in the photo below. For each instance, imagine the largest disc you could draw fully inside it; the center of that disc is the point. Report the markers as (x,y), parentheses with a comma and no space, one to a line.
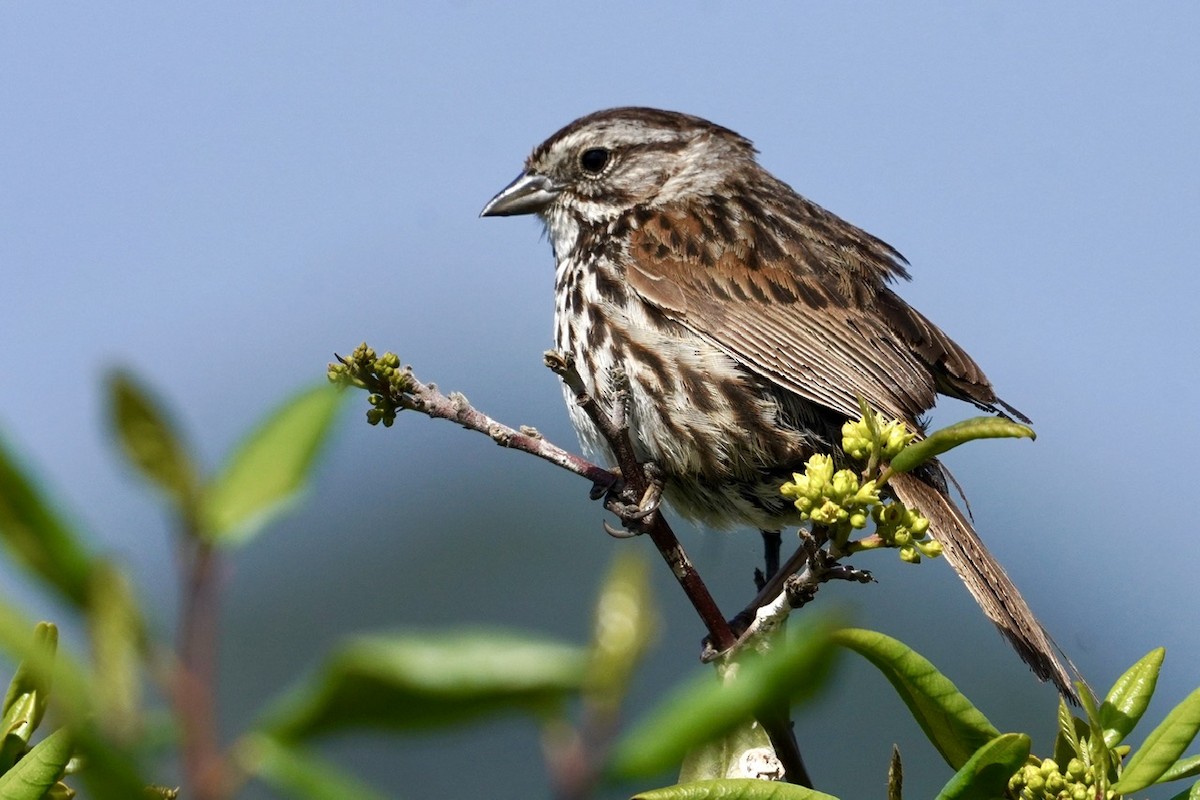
(220,197)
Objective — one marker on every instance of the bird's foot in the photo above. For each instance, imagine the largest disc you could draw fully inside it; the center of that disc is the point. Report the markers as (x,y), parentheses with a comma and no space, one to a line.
(633,510)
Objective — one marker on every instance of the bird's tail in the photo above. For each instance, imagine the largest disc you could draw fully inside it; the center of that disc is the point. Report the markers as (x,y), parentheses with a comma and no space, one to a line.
(986,580)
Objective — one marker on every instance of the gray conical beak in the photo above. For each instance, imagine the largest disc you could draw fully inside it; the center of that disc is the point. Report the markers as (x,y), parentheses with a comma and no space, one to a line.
(528,194)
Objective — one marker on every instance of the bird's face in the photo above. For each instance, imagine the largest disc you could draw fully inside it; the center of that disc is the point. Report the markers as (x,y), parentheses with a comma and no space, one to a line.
(603,165)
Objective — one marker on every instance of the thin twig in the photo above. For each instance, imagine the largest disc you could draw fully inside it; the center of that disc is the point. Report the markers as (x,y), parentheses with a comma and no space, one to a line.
(632,494)
(427,399)
(638,483)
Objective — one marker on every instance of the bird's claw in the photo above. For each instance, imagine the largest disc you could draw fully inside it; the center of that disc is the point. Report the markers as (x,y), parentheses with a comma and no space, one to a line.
(633,513)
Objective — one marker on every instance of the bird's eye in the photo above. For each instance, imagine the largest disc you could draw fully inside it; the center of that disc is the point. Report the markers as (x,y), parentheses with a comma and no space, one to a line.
(593,160)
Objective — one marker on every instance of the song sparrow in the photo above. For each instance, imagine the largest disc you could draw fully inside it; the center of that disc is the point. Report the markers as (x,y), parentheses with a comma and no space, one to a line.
(748,320)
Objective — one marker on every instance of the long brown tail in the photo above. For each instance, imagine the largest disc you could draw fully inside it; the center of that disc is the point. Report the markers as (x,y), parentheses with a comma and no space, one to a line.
(986,580)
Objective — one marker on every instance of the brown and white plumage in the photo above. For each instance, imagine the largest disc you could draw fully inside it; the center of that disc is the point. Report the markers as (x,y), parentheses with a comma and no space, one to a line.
(748,320)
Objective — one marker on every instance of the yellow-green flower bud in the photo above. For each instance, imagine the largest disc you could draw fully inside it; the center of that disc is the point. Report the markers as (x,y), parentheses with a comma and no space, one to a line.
(819,468)
(1080,793)
(829,513)
(1076,769)
(929,547)
(858,520)
(909,555)
(845,484)
(856,439)
(1055,783)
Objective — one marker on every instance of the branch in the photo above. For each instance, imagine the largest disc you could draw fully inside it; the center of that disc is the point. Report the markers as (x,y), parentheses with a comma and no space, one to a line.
(195,675)
(640,483)
(633,494)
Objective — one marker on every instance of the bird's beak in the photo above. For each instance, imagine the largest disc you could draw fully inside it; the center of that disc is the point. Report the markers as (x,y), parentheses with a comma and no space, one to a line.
(528,194)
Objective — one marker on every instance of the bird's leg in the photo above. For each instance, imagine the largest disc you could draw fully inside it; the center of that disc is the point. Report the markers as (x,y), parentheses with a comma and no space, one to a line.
(632,510)
(772,543)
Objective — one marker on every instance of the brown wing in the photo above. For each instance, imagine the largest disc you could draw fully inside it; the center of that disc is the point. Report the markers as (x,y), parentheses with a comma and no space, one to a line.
(799,296)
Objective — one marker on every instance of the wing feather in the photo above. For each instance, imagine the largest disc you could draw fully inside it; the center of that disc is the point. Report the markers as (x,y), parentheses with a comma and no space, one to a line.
(813,313)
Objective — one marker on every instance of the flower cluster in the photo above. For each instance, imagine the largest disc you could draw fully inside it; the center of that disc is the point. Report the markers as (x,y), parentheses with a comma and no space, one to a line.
(843,501)
(833,499)
(1047,781)
(901,527)
(879,436)
(382,376)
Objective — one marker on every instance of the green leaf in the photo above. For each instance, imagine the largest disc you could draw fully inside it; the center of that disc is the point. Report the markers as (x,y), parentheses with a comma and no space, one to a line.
(297,772)
(985,775)
(151,442)
(28,692)
(418,681)
(1129,696)
(948,438)
(1183,768)
(1162,747)
(704,708)
(1071,732)
(17,729)
(955,727)
(623,628)
(32,678)
(45,664)
(116,635)
(269,467)
(733,789)
(38,538)
(40,769)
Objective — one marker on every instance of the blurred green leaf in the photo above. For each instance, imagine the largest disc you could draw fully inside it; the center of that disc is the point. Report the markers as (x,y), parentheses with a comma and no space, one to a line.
(1129,696)
(38,538)
(110,772)
(704,708)
(955,727)
(986,773)
(1183,768)
(116,636)
(42,766)
(714,760)
(418,680)
(151,442)
(269,467)
(950,437)
(624,625)
(733,789)
(297,772)
(1162,747)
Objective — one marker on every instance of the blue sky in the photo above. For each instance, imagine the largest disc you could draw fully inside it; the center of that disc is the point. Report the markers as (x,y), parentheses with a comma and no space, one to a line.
(221,196)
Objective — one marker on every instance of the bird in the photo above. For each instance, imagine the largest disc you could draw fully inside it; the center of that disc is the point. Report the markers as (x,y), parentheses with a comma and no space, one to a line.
(746,322)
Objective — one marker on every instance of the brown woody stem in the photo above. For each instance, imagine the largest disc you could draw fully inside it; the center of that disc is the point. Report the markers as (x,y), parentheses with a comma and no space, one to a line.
(634,481)
(195,677)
